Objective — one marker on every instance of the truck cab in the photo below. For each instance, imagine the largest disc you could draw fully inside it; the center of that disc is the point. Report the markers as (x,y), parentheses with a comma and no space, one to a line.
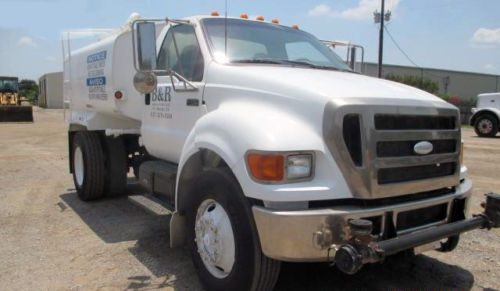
(486,115)
(266,146)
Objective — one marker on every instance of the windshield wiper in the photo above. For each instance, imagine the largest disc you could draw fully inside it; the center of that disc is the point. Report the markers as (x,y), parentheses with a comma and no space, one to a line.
(287,62)
(310,65)
(257,61)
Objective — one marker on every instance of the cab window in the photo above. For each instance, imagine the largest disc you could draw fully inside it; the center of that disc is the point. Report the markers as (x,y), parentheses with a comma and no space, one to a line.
(181,52)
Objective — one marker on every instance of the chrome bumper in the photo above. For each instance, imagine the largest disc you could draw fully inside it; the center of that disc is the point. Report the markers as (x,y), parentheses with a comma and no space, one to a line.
(307,235)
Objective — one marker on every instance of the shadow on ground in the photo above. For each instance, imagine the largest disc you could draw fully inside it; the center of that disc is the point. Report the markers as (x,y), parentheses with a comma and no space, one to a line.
(118,220)
(397,273)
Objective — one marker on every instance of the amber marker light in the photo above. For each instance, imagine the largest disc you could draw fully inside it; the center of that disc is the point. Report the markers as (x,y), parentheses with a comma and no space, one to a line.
(295,26)
(215,13)
(275,21)
(266,167)
(244,15)
(260,18)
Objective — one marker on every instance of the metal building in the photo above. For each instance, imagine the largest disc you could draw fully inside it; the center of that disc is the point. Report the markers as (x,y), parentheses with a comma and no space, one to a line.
(453,83)
(51,90)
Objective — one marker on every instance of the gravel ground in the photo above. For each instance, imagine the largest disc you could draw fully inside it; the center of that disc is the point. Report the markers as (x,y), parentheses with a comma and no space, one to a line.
(49,240)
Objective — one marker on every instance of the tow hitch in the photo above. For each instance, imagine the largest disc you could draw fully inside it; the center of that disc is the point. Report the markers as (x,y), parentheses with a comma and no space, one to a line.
(363,249)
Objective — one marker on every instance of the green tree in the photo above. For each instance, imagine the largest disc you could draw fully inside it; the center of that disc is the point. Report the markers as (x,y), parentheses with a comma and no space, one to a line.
(28,89)
(424,84)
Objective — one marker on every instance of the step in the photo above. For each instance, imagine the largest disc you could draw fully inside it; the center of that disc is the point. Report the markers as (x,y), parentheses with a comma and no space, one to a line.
(151,204)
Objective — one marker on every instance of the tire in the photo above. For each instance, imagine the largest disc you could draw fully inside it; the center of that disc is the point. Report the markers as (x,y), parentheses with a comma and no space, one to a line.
(251,269)
(88,165)
(116,167)
(486,125)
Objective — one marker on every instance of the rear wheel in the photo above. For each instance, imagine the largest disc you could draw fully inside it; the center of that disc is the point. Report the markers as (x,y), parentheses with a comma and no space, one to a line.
(88,165)
(486,126)
(222,236)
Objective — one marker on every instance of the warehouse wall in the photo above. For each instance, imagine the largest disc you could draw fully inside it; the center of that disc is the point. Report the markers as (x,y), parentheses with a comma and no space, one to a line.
(462,84)
(51,90)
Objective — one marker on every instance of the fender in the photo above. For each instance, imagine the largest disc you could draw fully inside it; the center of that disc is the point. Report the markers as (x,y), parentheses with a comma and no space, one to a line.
(489,110)
(237,127)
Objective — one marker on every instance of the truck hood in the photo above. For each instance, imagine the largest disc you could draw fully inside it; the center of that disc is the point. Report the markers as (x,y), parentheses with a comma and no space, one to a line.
(317,85)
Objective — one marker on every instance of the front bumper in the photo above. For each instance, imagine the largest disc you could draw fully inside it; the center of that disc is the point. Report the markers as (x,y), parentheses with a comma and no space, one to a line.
(309,235)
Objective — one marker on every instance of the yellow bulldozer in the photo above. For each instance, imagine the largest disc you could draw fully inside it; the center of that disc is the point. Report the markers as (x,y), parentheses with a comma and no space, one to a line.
(11,103)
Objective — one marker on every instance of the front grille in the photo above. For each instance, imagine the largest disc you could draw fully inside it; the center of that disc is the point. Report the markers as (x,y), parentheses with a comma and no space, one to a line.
(404,174)
(402,122)
(376,154)
(404,148)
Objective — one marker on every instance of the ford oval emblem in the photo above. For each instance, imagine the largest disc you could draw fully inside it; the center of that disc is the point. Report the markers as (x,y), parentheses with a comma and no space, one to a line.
(423,148)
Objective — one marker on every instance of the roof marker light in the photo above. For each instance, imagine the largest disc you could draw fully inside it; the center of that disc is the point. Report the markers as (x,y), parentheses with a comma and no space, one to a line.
(260,18)
(215,13)
(295,26)
(244,15)
(275,21)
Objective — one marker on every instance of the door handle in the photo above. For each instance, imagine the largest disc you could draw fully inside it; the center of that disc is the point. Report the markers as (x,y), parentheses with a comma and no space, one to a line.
(193,102)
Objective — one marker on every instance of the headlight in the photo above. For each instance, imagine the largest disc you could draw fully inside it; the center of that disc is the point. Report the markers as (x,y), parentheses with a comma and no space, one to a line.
(282,167)
(298,167)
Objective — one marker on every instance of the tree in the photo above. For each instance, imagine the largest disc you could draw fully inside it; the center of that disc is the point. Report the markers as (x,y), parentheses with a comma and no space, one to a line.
(424,84)
(28,89)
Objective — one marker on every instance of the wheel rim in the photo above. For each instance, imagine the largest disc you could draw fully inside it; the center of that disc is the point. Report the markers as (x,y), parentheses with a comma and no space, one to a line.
(78,166)
(485,126)
(215,238)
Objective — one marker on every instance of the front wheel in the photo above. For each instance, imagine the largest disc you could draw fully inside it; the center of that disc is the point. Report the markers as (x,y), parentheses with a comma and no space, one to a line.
(223,239)
(486,126)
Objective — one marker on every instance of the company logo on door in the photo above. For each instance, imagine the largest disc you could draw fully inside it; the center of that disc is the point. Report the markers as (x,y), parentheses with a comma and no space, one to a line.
(96,80)
(160,103)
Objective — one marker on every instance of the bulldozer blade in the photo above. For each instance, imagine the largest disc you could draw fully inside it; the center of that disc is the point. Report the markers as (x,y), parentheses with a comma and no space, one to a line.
(16,113)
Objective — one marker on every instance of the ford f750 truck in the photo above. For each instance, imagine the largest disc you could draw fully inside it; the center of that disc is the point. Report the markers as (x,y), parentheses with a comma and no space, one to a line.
(266,147)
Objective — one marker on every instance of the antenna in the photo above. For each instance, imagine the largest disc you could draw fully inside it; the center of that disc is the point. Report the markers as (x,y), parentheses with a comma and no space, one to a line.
(225,30)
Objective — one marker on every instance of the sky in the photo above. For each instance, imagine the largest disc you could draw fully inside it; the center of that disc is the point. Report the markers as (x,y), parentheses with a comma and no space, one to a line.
(448,34)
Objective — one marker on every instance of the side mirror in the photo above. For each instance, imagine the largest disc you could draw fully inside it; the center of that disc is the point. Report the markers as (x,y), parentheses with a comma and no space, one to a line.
(146,46)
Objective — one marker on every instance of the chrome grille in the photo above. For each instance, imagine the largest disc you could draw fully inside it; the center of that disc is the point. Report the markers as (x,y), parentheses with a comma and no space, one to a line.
(388,165)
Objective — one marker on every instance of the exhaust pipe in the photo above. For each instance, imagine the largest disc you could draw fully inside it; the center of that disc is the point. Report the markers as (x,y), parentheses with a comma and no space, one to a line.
(350,258)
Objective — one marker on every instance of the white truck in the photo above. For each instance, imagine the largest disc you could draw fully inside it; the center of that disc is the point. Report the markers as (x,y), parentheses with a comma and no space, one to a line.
(486,115)
(266,147)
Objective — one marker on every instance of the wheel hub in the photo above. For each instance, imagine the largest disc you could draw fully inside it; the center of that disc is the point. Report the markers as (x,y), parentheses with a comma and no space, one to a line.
(215,238)
(78,166)
(485,126)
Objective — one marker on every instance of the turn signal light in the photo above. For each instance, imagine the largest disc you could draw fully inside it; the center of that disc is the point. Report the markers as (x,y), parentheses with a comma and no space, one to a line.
(260,18)
(215,13)
(244,15)
(266,167)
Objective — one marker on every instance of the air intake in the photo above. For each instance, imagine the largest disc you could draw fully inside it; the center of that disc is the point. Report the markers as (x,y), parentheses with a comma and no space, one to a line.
(352,138)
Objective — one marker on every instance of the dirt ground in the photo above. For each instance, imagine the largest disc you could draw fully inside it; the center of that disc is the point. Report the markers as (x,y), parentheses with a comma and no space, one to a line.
(49,240)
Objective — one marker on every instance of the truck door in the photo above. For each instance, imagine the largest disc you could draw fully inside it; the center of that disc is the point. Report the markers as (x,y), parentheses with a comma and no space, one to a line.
(170,115)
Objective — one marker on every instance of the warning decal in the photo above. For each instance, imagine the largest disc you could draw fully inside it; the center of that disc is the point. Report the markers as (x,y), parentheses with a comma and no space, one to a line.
(96,81)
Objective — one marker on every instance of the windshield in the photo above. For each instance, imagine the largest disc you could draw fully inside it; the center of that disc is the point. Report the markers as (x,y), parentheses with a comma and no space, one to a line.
(260,42)
(8,85)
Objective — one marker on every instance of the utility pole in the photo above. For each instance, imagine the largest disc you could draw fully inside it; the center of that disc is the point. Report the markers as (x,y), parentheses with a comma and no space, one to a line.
(381,40)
